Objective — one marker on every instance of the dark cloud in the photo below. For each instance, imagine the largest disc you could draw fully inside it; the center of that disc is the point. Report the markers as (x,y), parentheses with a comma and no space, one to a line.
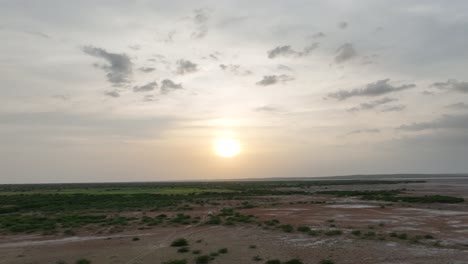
(453,85)
(364,131)
(119,67)
(287,51)
(282,67)
(457,106)
(450,122)
(345,52)
(114,94)
(343,25)
(185,66)
(274,79)
(146,69)
(200,20)
(234,69)
(372,104)
(146,88)
(168,86)
(377,88)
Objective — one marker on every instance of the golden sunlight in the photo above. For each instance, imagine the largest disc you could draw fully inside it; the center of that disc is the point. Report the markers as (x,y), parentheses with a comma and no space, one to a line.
(227,147)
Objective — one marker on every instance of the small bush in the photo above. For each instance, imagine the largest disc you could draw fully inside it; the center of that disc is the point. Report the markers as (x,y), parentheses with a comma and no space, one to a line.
(83,261)
(333,232)
(135,239)
(252,246)
(313,233)
(257,258)
(176,261)
(287,228)
(327,261)
(181,242)
(202,259)
(303,229)
(183,250)
(403,236)
(356,232)
(294,261)
(428,237)
(196,252)
(223,251)
(273,261)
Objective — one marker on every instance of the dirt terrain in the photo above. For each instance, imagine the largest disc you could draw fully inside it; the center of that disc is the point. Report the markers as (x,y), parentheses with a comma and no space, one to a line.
(433,233)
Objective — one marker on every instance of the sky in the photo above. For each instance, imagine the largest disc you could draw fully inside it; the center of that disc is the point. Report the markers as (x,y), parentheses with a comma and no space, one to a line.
(97,91)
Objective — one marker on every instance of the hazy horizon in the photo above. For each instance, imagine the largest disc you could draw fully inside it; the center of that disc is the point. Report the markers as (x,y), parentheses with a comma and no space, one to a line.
(109,91)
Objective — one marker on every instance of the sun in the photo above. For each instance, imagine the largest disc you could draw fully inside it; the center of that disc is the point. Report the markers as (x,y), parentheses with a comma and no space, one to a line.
(227,147)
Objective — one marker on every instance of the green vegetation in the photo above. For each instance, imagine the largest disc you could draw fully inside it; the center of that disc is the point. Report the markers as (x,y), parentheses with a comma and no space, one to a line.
(202,259)
(183,250)
(257,258)
(326,261)
(356,232)
(223,250)
(333,232)
(273,261)
(83,261)
(303,229)
(287,228)
(181,242)
(176,261)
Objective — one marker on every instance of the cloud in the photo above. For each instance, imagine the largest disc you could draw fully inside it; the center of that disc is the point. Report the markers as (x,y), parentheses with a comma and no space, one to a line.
(393,108)
(274,79)
(287,51)
(168,86)
(456,122)
(119,67)
(185,66)
(234,69)
(453,85)
(345,52)
(61,97)
(148,98)
(343,25)
(457,106)
(114,94)
(372,89)
(372,104)
(267,108)
(364,131)
(201,23)
(146,88)
(134,47)
(147,69)
(318,35)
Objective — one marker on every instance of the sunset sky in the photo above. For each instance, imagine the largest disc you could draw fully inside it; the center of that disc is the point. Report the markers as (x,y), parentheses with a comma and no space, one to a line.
(142,90)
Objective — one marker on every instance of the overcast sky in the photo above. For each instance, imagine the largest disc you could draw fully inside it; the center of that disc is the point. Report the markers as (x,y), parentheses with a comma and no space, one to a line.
(138,90)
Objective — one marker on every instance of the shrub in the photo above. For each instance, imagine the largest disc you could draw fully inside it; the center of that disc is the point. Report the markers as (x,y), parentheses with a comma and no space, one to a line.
(333,232)
(356,232)
(223,251)
(202,259)
(370,234)
(287,228)
(183,250)
(428,237)
(83,261)
(294,261)
(252,246)
(326,261)
(181,242)
(313,233)
(176,261)
(273,261)
(135,239)
(403,236)
(196,252)
(303,229)
(257,258)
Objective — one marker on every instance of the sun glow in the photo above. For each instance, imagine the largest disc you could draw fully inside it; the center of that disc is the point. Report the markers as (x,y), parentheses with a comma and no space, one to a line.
(227,147)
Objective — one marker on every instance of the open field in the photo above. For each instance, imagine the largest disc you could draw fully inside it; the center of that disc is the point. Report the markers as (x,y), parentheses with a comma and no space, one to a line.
(341,221)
